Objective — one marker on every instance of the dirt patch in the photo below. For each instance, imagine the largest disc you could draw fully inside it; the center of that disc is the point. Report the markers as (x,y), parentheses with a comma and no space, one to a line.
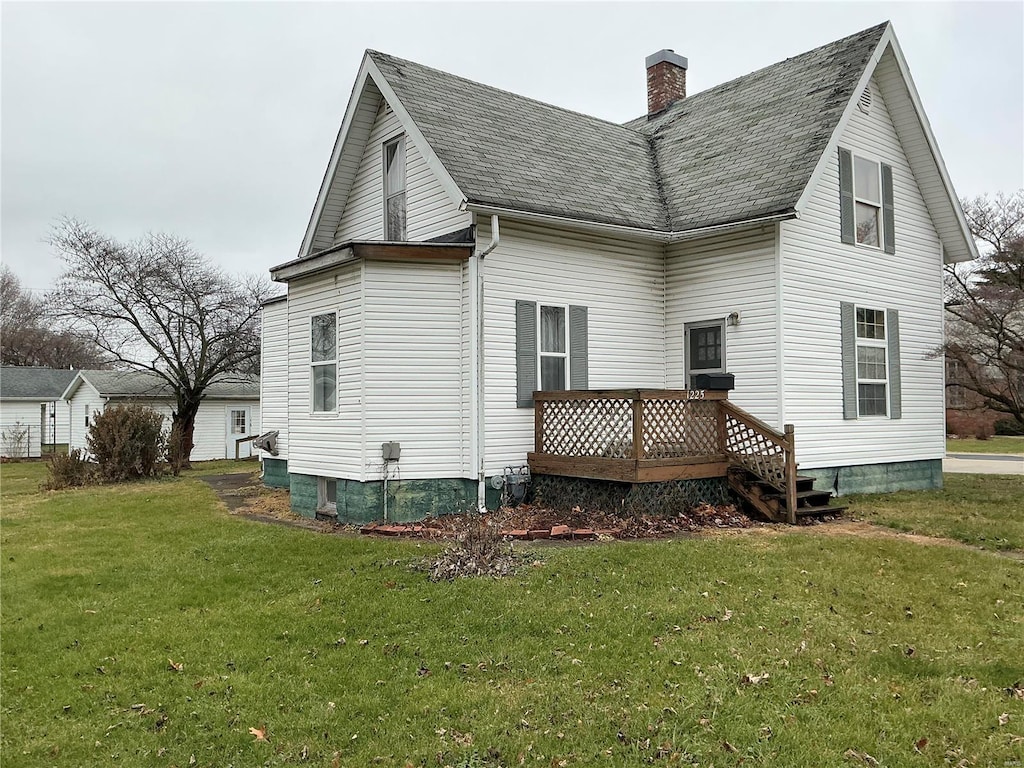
(865,530)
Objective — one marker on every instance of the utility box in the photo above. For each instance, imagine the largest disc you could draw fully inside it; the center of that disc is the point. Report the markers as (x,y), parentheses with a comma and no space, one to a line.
(390,451)
(715,381)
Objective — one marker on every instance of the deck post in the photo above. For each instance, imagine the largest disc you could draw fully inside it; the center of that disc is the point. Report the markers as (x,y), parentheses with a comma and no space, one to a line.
(638,427)
(538,424)
(790,475)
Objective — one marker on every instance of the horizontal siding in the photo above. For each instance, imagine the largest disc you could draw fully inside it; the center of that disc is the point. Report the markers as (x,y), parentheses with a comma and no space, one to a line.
(274,374)
(326,444)
(819,272)
(429,209)
(414,367)
(708,280)
(620,282)
(85,399)
(21,428)
(211,431)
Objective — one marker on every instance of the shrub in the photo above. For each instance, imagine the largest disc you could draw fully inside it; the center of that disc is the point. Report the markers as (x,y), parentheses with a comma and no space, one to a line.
(14,441)
(176,457)
(1010,427)
(69,470)
(127,442)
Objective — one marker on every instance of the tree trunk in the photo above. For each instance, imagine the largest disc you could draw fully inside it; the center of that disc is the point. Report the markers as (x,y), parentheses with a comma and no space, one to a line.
(183,424)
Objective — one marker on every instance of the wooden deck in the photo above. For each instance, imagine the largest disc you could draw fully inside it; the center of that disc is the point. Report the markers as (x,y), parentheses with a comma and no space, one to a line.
(648,436)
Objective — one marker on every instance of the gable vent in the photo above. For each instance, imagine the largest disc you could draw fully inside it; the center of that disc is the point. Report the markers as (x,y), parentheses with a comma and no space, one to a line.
(865,100)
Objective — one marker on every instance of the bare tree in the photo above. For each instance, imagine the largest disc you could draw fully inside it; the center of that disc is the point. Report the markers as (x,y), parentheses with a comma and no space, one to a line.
(985,306)
(157,305)
(31,335)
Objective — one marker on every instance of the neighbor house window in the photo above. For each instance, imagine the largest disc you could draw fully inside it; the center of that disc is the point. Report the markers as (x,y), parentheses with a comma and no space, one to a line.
(867,213)
(956,395)
(705,348)
(87,412)
(552,351)
(394,189)
(872,371)
(324,362)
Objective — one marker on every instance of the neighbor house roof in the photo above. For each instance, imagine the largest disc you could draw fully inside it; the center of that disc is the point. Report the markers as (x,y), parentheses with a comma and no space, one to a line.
(744,151)
(38,384)
(143,385)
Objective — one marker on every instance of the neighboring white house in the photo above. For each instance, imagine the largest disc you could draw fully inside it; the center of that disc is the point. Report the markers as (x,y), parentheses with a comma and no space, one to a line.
(469,246)
(32,413)
(230,410)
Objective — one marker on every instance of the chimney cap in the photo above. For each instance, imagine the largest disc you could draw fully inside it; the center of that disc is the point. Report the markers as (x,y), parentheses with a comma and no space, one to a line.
(666,54)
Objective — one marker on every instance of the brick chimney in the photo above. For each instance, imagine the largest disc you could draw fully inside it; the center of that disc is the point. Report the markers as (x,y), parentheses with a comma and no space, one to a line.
(666,80)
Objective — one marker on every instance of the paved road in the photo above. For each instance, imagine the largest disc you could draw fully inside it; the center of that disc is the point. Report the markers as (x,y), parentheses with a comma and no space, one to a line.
(983,463)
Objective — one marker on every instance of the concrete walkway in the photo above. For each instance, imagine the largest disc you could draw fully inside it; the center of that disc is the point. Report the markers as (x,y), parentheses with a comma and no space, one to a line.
(983,463)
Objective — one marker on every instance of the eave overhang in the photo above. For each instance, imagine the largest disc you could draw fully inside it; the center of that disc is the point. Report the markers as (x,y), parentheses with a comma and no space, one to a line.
(369,250)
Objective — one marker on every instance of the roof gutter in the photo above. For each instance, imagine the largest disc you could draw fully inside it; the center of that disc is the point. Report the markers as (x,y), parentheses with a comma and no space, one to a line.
(477,390)
(655,235)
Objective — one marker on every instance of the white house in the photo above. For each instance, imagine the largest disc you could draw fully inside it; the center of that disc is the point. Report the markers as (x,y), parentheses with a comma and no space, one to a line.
(470,246)
(32,413)
(230,410)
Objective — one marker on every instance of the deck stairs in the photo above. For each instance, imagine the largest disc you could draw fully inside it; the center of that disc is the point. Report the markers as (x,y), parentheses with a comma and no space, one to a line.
(770,501)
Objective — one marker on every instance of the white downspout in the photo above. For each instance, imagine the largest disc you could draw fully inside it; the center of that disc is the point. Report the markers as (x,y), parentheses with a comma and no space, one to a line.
(476,277)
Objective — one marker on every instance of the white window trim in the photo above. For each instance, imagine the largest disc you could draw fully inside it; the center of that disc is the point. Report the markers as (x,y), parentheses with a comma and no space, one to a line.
(313,365)
(880,218)
(541,354)
(687,327)
(388,194)
(882,344)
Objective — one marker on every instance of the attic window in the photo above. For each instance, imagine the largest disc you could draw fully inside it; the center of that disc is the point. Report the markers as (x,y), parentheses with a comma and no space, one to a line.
(865,100)
(394,190)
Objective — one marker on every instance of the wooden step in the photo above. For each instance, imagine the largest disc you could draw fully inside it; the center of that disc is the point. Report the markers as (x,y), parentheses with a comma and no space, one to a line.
(800,495)
(819,510)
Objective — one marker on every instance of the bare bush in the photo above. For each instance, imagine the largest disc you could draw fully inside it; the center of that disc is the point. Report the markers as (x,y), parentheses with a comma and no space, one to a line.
(69,470)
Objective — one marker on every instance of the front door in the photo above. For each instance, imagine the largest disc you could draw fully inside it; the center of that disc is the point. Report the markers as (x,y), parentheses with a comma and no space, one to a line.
(238,426)
(705,349)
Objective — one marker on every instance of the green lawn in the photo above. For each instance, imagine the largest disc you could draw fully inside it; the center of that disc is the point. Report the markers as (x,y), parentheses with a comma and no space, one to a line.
(145,626)
(997,444)
(982,510)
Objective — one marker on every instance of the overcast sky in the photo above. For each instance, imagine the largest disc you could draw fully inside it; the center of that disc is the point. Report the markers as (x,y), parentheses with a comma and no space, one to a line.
(215,121)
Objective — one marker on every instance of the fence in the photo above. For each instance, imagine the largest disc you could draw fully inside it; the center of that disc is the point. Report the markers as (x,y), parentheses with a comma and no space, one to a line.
(20,441)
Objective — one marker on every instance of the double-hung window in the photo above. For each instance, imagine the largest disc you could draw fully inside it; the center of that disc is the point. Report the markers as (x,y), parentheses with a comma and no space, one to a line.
(867,194)
(866,210)
(871,362)
(324,362)
(394,189)
(872,371)
(553,349)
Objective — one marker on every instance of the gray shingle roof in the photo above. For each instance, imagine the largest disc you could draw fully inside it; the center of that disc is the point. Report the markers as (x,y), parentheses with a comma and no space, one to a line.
(743,149)
(510,151)
(141,384)
(42,384)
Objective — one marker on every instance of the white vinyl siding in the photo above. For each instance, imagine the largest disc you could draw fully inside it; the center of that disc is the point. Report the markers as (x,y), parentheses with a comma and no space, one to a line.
(83,396)
(430,211)
(819,273)
(326,444)
(414,367)
(21,426)
(621,284)
(712,278)
(274,375)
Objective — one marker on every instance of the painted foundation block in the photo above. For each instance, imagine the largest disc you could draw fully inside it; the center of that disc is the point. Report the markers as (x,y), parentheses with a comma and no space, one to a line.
(879,478)
(275,473)
(407,500)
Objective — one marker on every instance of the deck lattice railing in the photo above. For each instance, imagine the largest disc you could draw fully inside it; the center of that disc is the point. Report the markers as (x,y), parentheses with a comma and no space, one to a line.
(660,425)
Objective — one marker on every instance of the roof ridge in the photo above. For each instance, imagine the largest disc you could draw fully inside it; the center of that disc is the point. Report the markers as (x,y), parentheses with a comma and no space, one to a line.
(478,84)
(840,43)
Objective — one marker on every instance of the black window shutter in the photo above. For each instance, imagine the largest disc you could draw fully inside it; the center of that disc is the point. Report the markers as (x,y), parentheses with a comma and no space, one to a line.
(847,220)
(526,353)
(578,352)
(892,332)
(888,212)
(848,325)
